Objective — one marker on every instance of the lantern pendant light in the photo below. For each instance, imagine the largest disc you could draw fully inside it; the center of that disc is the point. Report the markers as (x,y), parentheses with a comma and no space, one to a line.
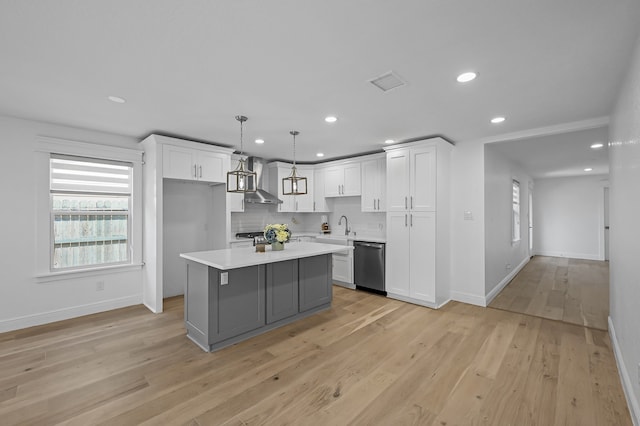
(294,184)
(241,179)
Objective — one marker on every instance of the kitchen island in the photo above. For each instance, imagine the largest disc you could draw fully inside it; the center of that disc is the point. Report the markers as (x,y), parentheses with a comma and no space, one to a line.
(234,294)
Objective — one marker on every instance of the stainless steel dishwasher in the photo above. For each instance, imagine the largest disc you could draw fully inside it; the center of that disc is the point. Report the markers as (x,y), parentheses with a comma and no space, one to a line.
(368,266)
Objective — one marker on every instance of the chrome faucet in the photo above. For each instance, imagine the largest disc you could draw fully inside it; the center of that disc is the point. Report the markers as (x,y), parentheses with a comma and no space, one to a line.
(346,224)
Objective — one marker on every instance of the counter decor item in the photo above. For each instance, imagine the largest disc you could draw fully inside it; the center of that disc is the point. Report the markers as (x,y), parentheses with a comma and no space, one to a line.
(277,234)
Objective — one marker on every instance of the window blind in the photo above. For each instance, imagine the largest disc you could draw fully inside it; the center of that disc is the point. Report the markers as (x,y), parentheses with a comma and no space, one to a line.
(77,174)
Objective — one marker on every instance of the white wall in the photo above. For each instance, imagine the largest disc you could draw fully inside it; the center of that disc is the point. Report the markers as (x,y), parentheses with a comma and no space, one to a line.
(502,257)
(624,176)
(569,217)
(24,299)
(467,236)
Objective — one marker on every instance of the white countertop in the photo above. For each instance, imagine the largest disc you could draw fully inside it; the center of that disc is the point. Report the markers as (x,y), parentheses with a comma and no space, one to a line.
(247,256)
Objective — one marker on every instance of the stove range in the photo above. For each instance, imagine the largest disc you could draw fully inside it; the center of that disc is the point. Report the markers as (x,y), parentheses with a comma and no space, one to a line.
(250,234)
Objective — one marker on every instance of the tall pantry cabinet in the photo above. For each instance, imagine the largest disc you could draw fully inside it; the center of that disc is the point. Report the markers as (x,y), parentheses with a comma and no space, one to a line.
(418,188)
(186,208)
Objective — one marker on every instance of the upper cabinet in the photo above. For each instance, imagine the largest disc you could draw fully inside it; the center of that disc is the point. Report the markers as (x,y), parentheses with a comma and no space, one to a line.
(319,201)
(411,179)
(374,184)
(193,164)
(342,180)
(291,203)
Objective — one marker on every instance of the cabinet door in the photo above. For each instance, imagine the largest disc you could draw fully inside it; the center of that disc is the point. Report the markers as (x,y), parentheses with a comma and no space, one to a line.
(373,185)
(351,180)
(333,177)
(304,203)
(240,303)
(398,180)
(178,163)
(423,179)
(397,278)
(282,290)
(315,281)
(288,201)
(422,258)
(342,267)
(319,202)
(211,167)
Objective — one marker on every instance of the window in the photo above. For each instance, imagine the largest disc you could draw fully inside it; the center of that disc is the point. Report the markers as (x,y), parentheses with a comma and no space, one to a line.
(90,203)
(515,223)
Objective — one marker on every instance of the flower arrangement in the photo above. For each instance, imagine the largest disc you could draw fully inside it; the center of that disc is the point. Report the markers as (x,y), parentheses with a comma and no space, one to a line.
(277,233)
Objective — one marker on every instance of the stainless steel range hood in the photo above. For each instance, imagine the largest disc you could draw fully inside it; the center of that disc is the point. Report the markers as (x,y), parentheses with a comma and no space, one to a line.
(260,196)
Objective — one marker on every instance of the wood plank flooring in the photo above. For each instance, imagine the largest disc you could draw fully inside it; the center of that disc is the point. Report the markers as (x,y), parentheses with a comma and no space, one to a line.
(368,360)
(575,291)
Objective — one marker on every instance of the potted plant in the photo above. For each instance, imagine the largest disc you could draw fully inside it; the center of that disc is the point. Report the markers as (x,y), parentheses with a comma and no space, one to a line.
(276,235)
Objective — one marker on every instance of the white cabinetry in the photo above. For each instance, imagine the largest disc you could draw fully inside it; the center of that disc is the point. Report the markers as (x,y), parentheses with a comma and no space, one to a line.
(319,201)
(193,164)
(291,203)
(373,185)
(342,180)
(417,256)
(170,158)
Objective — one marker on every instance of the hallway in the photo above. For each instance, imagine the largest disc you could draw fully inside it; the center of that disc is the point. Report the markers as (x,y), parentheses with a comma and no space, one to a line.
(573,291)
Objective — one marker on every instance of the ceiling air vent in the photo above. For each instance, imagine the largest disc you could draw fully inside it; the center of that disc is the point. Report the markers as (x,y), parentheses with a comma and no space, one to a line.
(387,81)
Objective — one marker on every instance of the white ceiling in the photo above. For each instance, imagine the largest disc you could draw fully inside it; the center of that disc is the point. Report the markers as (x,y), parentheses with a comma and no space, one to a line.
(559,155)
(186,68)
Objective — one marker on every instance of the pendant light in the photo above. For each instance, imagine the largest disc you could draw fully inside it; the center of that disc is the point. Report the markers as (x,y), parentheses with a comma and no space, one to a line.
(294,184)
(241,179)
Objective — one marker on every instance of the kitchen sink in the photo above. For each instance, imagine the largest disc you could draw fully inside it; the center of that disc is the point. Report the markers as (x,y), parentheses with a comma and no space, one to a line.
(341,240)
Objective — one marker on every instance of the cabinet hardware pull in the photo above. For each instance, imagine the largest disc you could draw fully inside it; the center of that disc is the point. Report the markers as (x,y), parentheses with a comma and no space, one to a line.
(405,220)
(405,203)
(200,171)
(411,202)
(296,206)
(314,206)
(195,171)
(411,220)
(374,203)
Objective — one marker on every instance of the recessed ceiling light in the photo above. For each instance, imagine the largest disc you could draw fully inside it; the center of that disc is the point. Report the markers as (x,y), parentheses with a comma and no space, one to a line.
(320,154)
(389,141)
(497,120)
(117,99)
(588,169)
(466,77)
(597,145)
(331,119)
(259,141)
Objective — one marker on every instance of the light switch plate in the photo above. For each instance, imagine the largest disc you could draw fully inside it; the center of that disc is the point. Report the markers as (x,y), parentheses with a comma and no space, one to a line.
(468,215)
(224,278)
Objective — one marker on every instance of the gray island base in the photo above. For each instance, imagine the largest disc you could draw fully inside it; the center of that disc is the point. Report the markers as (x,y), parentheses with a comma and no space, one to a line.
(226,305)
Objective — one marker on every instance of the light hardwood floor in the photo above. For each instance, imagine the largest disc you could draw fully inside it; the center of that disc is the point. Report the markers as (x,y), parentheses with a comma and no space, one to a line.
(368,360)
(569,290)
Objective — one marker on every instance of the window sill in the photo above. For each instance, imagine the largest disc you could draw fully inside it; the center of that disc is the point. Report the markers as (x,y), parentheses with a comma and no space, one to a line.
(83,273)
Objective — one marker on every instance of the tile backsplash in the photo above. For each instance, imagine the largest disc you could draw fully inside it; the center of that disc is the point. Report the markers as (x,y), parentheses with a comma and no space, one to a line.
(255,217)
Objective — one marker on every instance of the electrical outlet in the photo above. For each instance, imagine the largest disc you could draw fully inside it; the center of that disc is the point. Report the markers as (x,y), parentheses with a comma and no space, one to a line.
(224,278)
(99,285)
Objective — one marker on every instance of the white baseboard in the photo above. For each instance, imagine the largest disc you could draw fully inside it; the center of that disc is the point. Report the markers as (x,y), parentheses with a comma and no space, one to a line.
(585,256)
(506,280)
(625,378)
(471,299)
(412,300)
(67,313)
